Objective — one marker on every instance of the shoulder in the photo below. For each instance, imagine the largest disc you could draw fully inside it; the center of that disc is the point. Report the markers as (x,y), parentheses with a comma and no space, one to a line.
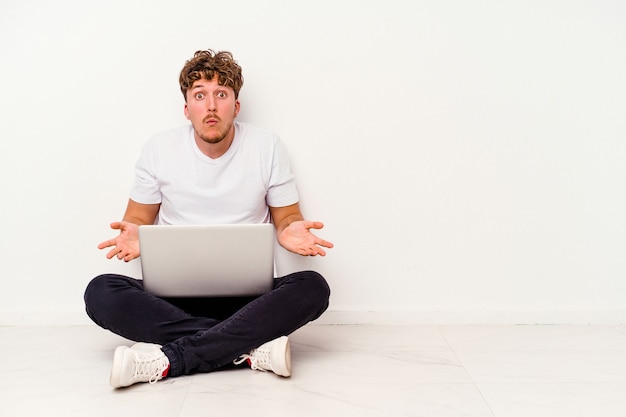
(165,145)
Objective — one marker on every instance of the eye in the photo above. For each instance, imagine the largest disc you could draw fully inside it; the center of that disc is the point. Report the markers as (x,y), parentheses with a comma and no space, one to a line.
(221,94)
(199,96)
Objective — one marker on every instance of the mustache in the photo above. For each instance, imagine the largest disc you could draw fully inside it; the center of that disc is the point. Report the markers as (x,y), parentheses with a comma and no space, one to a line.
(211,117)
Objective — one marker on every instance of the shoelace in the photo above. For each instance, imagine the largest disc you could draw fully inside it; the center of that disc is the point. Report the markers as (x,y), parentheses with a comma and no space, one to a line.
(152,368)
(259,360)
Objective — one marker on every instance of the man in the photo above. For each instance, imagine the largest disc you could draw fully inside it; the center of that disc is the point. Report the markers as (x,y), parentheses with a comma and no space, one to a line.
(217,170)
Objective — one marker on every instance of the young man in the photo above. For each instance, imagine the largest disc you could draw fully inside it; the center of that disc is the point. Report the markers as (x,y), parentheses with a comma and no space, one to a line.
(216,170)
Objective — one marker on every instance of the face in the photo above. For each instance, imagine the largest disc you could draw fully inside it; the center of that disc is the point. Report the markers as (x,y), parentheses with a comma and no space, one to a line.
(212,109)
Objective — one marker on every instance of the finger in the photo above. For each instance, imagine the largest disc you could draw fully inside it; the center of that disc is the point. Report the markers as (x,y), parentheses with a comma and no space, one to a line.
(312,251)
(106,244)
(324,243)
(112,253)
(130,256)
(305,251)
(314,225)
(116,225)
(320,252)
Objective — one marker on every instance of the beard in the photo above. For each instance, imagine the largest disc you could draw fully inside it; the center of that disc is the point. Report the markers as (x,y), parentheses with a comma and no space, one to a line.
(213,134)
(213,138)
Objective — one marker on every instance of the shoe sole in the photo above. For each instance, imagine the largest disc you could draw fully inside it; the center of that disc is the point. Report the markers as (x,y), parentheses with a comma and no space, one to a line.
(116,369)
(281,356)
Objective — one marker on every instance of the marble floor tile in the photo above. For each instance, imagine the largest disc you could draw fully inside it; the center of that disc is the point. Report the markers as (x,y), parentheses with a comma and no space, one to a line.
(264,395)
(370,338)
(380,368)
(543,366)
(365,371)
(556,400)
(525,337)
(51,397)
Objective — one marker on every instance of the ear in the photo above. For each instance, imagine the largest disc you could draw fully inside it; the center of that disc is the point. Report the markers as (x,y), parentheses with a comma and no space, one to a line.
(186,111)
(237,107)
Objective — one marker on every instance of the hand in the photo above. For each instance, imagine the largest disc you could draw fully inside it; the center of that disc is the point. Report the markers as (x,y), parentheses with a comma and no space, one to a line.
(126,245)
(297,238)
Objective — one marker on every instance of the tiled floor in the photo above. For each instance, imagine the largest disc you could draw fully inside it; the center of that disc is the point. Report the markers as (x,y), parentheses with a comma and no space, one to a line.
(343,371)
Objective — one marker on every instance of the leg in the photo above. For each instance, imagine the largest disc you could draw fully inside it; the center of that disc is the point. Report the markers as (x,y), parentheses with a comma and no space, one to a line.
(205,341)
(119,303)
(295,300)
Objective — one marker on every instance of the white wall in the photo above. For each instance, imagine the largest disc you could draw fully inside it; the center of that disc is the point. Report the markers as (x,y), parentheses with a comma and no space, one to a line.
(466,157)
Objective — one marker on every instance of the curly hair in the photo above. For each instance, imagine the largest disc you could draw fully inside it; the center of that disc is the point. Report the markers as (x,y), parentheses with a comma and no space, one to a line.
(207,64)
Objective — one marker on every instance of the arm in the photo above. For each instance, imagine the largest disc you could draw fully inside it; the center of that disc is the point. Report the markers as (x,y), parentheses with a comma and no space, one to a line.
(294,234)
(126,245)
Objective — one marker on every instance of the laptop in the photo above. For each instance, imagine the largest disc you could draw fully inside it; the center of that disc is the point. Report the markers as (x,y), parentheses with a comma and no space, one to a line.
(207,260)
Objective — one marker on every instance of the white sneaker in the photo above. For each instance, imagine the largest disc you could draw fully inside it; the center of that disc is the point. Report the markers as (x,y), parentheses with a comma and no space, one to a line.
(142,362)
(272,356)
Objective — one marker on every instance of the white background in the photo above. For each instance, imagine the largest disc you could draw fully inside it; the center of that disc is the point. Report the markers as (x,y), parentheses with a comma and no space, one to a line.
(467,157)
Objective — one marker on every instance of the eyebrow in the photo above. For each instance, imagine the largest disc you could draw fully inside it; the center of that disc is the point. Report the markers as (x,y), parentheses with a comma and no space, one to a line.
(219,87)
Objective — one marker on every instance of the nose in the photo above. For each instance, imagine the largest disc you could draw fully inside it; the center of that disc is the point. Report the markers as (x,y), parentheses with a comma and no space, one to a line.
(210,103)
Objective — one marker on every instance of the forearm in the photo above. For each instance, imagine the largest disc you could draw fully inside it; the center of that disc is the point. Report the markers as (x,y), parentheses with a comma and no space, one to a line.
(286,221)
(136,220)
(140,214)
(282,217)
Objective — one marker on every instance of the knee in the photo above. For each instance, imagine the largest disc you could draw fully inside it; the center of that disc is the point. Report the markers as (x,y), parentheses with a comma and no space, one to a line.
(319,286)
(99,295)
(95,295)
(314,288)
(96,288)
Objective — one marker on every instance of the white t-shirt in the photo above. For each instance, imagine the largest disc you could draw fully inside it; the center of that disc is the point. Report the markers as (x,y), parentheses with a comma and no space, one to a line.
(237,187)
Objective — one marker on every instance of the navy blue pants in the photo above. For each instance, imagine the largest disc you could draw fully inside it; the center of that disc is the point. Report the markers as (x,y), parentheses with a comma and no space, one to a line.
(205,334)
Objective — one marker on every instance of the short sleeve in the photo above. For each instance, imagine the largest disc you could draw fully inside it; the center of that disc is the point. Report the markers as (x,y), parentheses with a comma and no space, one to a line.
(146,189)
(282,183)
